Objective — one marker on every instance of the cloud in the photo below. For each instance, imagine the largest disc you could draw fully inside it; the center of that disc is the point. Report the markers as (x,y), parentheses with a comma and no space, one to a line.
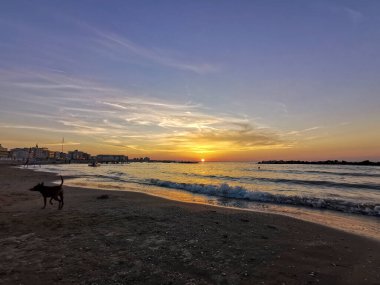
(231,139)
(354,15)
(349,13)
(96,114)
(122,45)
(302,132)
(312,129)
(66,143)
(36,128)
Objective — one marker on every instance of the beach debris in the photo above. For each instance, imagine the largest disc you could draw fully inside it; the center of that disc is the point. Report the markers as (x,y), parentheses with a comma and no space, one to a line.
(272,227)
(102,197)
(244,220)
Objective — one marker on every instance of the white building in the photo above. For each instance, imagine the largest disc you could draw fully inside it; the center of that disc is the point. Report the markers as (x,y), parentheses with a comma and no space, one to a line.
(111,158)
(19,154)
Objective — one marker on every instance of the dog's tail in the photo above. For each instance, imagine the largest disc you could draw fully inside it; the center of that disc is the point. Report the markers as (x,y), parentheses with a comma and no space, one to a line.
(61,180)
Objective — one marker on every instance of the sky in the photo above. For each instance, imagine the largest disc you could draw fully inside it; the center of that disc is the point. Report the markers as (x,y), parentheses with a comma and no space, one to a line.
(219,80)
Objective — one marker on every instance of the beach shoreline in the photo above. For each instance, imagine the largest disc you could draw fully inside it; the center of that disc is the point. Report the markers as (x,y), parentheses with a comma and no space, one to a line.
(340,218)
(141,239)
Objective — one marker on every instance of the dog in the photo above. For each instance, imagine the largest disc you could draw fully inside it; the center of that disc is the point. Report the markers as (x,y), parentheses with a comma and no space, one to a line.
(52,192)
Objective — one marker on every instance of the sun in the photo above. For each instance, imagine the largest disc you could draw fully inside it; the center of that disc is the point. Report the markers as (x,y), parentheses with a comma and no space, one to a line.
(203,160)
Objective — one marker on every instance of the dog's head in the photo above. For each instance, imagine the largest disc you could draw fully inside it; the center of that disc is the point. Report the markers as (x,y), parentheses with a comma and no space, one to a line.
(38,187)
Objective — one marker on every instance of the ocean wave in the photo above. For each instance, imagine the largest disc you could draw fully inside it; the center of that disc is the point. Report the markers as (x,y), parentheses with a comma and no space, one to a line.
(322,183)
(321,172)
(238,192)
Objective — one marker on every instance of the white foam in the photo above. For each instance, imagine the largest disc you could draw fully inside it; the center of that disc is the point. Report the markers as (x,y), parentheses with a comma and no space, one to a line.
(238,192)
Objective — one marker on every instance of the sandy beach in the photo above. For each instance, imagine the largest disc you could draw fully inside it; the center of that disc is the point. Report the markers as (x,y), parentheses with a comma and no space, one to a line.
(132,238)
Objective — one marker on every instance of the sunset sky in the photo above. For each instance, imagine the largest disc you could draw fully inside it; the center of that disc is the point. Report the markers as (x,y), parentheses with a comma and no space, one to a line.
(220,80)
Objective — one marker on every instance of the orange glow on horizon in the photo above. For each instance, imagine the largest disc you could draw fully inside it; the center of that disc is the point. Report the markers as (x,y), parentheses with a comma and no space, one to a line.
(351,142)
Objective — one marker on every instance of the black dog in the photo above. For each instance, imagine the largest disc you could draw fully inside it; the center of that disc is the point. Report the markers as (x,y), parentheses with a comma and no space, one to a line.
(52,192)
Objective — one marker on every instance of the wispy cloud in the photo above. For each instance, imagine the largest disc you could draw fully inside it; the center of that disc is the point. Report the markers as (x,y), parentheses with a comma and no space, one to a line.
(35,128)
(66,143)
(122,45)
(354,15)
(301,132)
(93,113)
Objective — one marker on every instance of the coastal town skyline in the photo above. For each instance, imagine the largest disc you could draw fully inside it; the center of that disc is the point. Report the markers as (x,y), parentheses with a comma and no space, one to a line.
(191,81)
(43,154)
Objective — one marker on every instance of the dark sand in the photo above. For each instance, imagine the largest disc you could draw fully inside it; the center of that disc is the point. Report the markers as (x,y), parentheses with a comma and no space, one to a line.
(132,238)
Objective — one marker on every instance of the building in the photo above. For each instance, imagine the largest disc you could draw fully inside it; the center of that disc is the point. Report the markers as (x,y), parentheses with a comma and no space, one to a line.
(110,158)
(33,153)
(3,152)
(40,153)
(78,155)
(140,159)
(55,155)
(20,153)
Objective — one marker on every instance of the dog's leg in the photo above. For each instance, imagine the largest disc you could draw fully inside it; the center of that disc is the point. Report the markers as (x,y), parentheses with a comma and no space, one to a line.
(44,203)
(57,199)
(51,201)
(61,202)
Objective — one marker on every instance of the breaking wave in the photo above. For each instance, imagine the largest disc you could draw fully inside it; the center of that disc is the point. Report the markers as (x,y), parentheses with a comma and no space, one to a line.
(238,192)
(322,183)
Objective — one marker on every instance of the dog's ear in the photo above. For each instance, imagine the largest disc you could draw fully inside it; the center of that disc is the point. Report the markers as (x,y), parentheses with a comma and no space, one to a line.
(42,184)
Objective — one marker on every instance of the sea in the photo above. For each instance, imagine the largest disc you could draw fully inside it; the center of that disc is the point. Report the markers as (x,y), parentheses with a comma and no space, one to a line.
(346,197)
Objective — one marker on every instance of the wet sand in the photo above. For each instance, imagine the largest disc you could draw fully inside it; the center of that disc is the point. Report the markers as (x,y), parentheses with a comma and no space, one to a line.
(132,238)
